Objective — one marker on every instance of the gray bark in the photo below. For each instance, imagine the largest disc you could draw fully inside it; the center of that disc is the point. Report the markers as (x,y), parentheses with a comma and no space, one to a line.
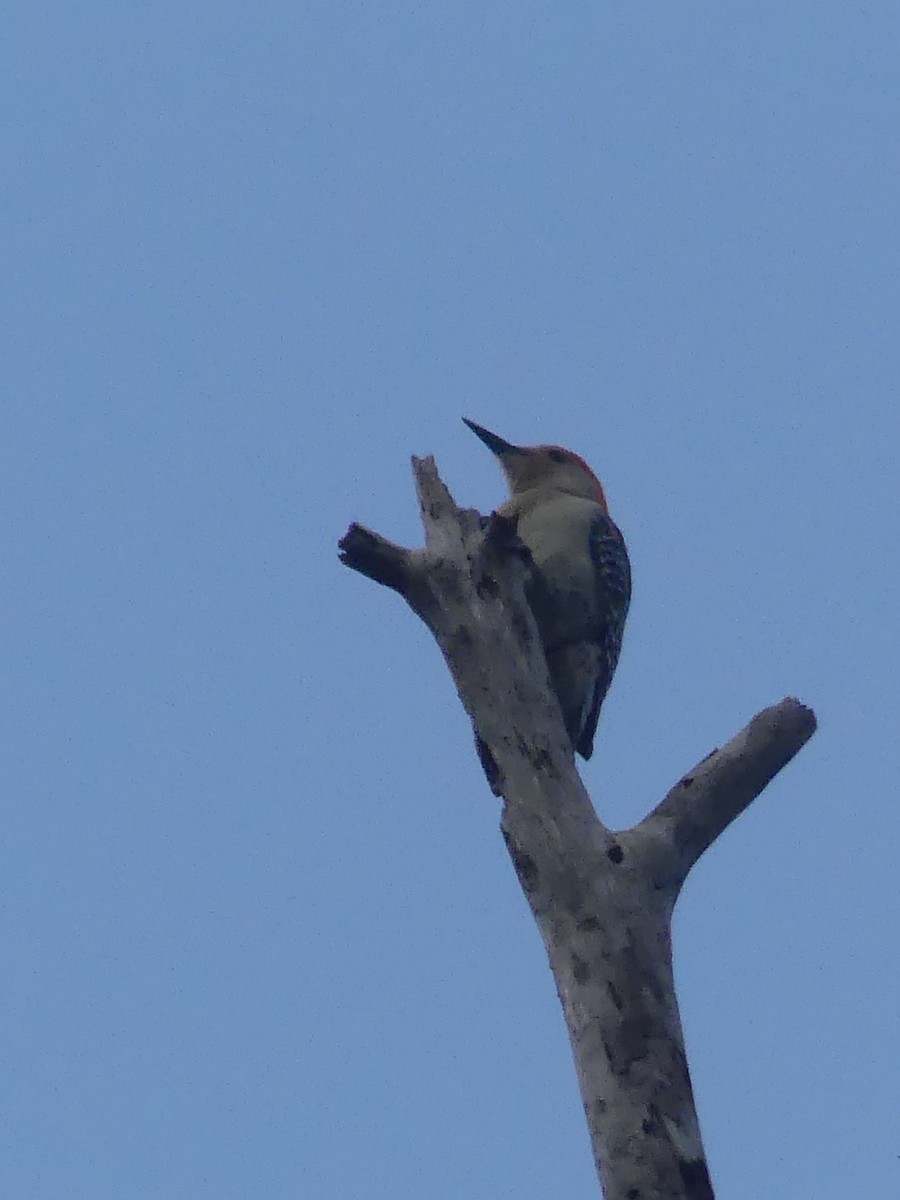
(602,900)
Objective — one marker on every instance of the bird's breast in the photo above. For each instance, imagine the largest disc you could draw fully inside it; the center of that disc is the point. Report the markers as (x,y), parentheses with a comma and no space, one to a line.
(557,531)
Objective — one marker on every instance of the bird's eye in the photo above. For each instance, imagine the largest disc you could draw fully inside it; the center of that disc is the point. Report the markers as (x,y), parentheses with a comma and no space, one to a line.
(557,455)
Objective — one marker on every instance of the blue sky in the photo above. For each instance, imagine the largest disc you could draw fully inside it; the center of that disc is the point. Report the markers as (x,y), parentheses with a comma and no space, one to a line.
(261,937)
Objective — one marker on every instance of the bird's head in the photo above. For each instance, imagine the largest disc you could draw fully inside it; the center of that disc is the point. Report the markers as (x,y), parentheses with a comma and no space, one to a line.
(527,467)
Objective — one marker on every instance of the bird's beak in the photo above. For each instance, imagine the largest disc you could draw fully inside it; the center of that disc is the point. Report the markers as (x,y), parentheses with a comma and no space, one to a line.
(498,445)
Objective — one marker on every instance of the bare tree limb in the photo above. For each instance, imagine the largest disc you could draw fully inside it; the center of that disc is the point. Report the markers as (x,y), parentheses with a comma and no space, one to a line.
(602,900)
(705,801)
(376,558)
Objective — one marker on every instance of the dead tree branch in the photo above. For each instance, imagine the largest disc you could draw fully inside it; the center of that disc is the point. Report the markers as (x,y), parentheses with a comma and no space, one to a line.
(602,900)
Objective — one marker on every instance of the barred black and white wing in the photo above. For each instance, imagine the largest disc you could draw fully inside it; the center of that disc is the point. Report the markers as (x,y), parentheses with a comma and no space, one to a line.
(613,574)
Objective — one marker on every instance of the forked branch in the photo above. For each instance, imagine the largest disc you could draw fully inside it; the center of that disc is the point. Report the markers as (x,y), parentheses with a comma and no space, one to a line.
(602,900)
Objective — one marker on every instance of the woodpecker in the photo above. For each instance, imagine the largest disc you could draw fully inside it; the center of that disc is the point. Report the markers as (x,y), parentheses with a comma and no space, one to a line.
(580,587)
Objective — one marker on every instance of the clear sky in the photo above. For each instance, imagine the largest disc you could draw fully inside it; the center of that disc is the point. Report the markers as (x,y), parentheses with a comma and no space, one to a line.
(260,934)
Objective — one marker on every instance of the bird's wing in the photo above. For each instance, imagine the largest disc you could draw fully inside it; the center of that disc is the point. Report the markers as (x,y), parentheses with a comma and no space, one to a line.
(610,558)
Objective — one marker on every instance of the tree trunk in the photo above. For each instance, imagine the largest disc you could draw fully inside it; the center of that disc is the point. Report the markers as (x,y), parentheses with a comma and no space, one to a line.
(602,900)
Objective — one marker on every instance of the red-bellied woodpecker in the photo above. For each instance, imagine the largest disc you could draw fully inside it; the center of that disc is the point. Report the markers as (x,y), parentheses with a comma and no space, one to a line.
(580,588)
